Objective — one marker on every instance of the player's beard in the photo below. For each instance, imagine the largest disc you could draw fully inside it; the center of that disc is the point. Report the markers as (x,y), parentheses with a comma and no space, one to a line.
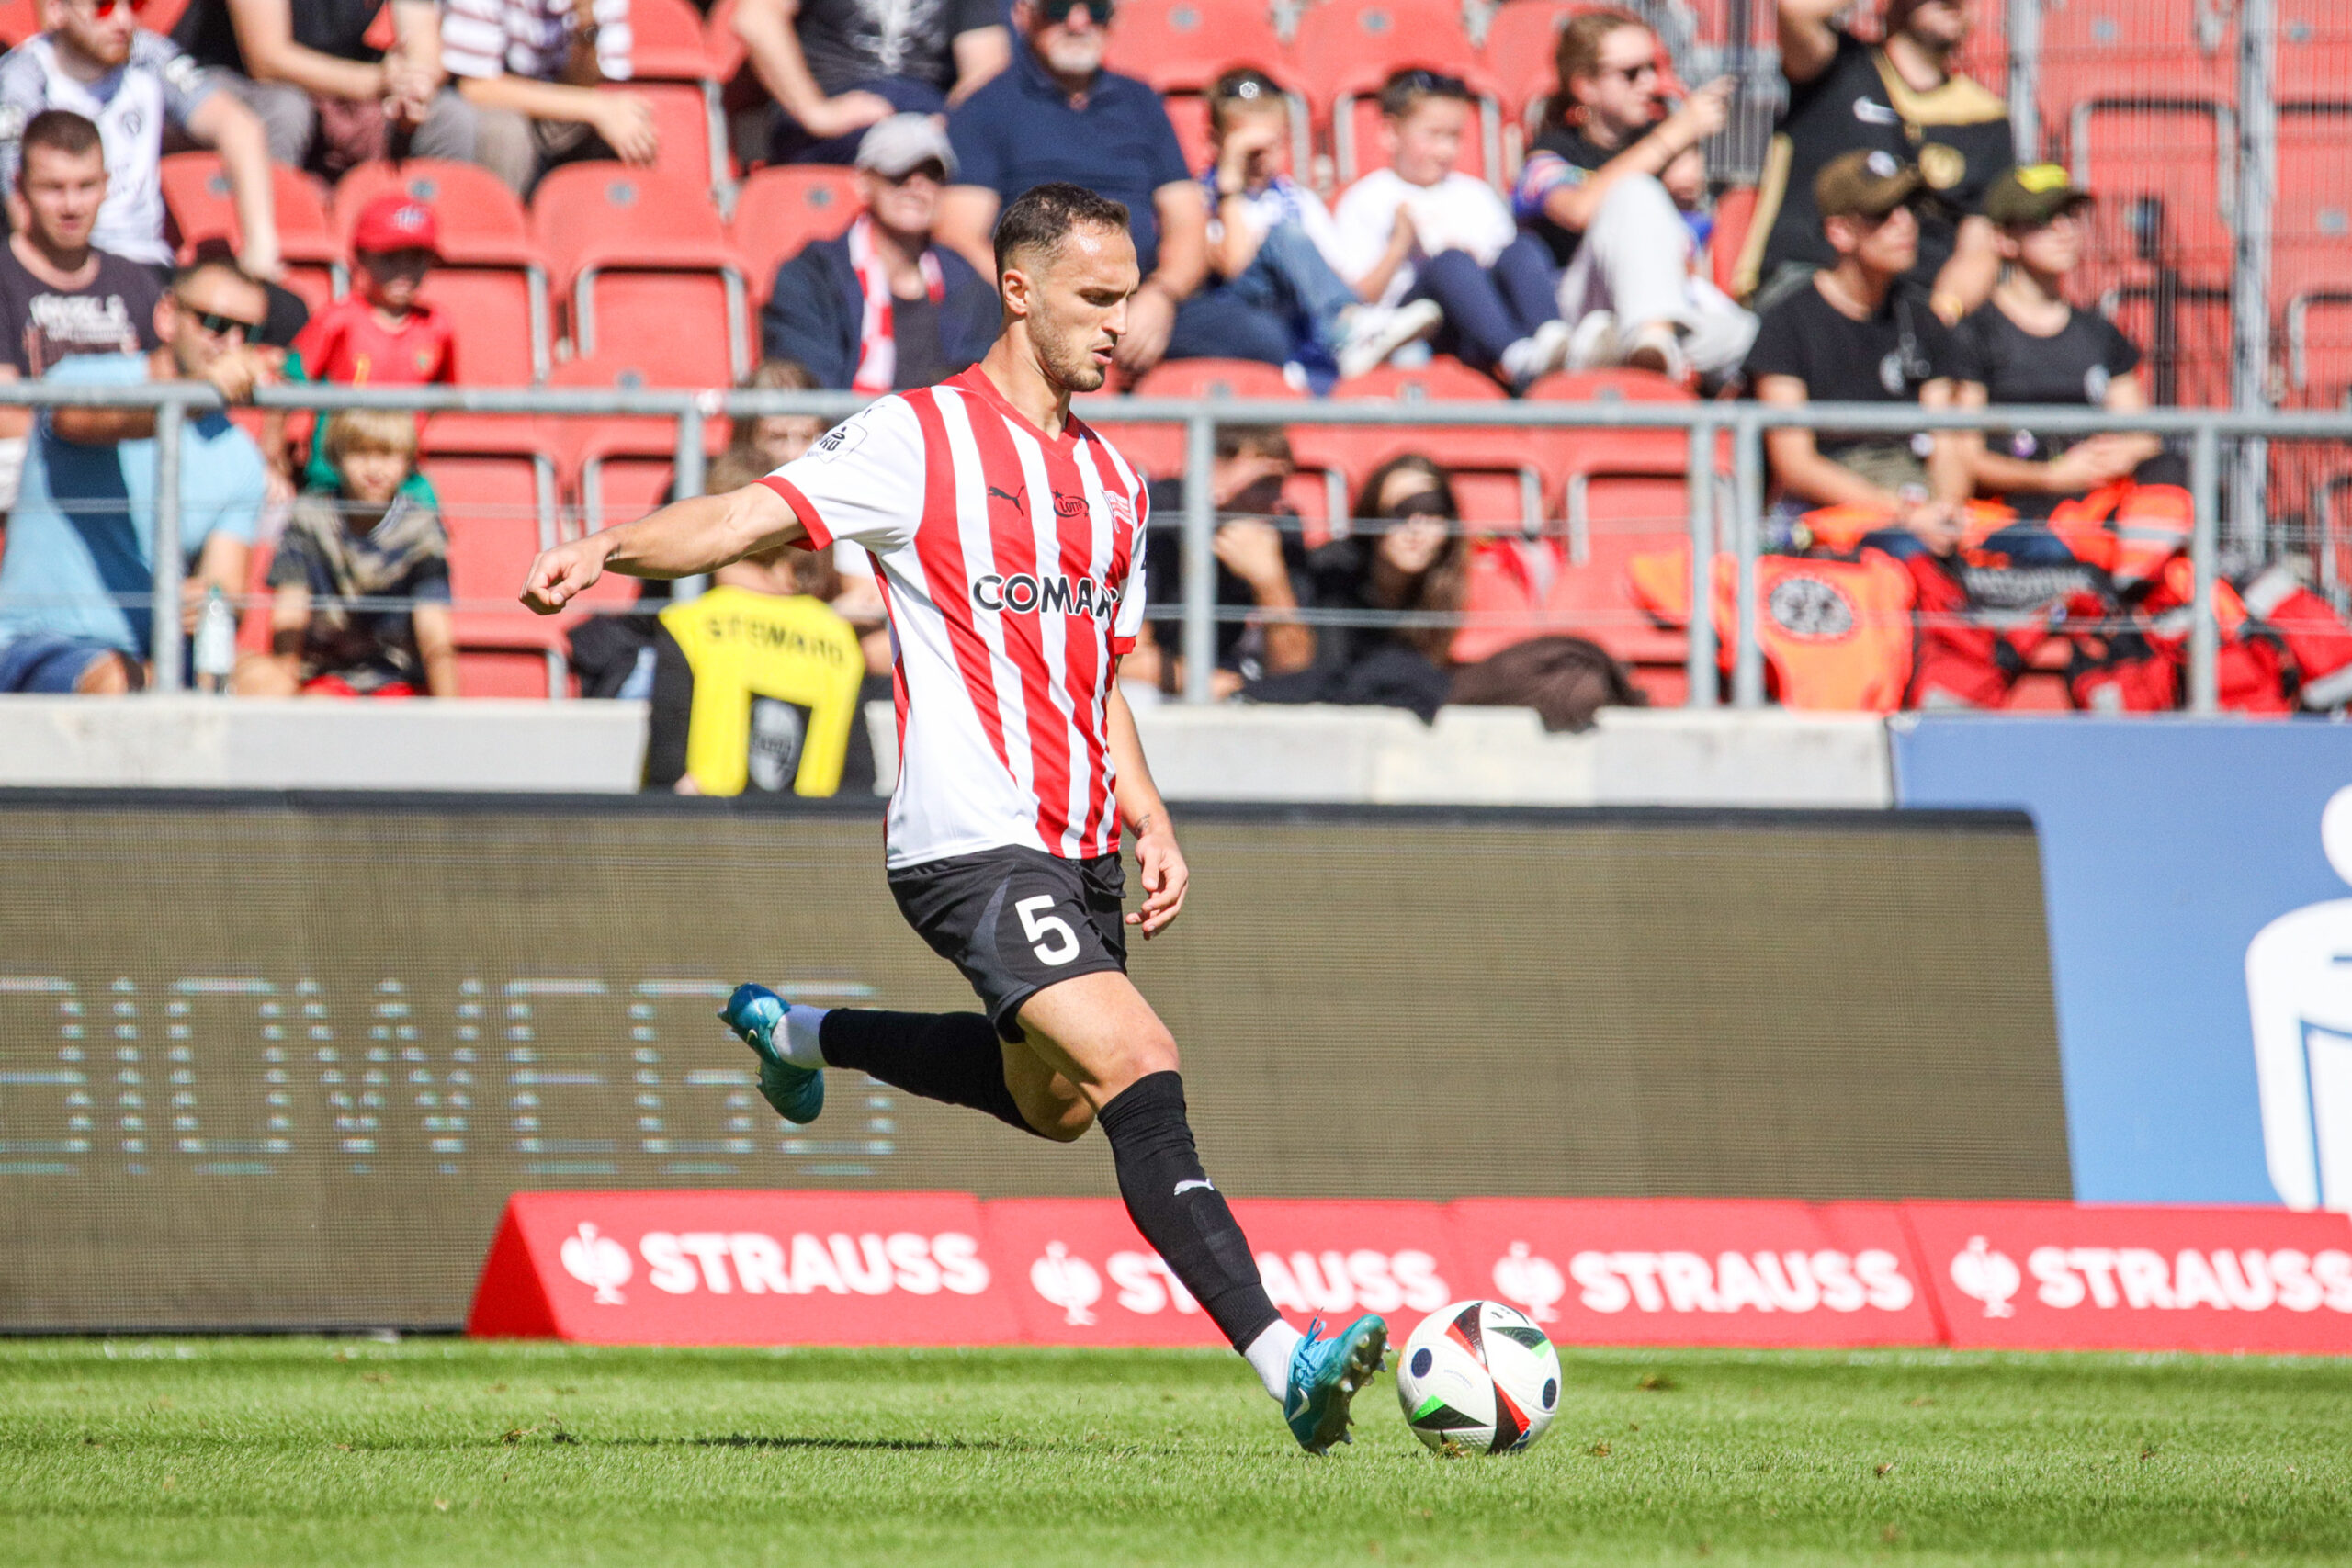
(1070,364)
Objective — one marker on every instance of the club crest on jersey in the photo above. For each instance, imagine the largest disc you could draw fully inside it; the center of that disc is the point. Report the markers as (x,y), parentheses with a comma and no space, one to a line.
(1123,511)
(1050,596)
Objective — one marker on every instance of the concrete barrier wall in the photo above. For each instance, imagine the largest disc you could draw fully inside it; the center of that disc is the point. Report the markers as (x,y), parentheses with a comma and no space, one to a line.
(1470,756)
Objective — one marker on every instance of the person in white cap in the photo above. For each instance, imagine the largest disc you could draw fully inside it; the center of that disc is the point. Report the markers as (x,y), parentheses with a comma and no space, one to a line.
(884,308)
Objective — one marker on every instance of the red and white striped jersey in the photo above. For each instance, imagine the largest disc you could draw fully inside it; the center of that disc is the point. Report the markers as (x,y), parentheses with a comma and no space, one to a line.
(1011,565)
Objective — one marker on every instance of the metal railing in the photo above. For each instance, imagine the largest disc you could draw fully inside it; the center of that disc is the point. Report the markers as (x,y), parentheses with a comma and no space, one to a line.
(1704,424)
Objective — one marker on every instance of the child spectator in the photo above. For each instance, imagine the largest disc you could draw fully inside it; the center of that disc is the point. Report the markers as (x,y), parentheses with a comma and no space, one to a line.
(1274,292)
(1405,556)
(1421,229)
(380,333)
(343,551)
(1602,189)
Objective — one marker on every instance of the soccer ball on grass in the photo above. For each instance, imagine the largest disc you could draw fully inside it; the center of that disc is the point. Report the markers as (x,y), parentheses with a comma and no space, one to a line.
(1479,1377)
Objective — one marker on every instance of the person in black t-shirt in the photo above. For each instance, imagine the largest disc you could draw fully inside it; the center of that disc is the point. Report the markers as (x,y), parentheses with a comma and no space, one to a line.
(1855,333)
(1902,99)
(1596,191)
(833,67)
(326,95)
(2026,345)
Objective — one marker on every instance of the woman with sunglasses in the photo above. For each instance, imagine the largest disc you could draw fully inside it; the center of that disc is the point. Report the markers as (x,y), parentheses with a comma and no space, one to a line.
(1604,189)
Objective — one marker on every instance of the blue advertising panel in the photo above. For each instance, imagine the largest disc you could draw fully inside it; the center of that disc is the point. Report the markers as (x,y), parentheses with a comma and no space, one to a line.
(2201,940)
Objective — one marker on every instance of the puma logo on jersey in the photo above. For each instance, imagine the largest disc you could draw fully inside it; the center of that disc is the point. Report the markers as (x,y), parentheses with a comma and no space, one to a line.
(1056,594)
(1019,498)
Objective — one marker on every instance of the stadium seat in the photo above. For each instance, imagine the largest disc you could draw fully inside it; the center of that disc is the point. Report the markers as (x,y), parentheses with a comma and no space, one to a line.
(1496,483)
(19,19)
(498,502)
(2317,327)
(671,62)
(1518,52)
(690,149)
(1158,449)
(2129,48)
(2184,332)
(1345,49)
(647,272)
(2314,53)
(1735,215)
(200,206)
(1179,47)
(2310,224)
(490,278)
(2169,158)
(780,210)
(160,16)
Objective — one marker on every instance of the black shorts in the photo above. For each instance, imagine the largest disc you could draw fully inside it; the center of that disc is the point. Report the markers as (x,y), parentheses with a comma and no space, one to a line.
(1016,921)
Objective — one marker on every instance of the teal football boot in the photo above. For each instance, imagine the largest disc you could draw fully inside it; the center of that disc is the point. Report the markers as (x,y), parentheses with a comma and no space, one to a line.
(1325,1374)
(755,1013)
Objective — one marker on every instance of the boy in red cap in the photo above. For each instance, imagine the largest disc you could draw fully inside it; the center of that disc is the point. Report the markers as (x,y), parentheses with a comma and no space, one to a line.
(380,333)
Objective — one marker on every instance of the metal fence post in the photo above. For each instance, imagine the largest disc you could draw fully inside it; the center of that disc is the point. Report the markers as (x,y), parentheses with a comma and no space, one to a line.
(164,645)
(1747,524)
(1200,557)
(2025,78)
(687,482)
(2257,183)
(1699,662)
(2204,639)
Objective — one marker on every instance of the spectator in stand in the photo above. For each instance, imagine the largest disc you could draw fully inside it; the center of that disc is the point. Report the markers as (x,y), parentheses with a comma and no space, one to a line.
(59,294)
(1271,247)
(884,308)
(2027,344)
(835,67)
(76,575)
(365,540)
(327,99)
(1857,332)
(1595,190)
(1902,99)
(1420,228)
(1406,554)
(134,85)
(1260,565)
(532,69)
(380,333)
(1057,114)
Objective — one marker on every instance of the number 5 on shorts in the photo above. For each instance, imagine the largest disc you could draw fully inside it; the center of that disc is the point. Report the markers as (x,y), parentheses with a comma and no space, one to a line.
(1041,926)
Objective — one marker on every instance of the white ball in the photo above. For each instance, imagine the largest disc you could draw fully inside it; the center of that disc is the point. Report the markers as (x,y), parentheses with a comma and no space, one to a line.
(1479,1377)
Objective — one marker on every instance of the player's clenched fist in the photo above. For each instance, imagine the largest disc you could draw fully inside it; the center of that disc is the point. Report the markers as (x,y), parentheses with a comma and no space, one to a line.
(562,574)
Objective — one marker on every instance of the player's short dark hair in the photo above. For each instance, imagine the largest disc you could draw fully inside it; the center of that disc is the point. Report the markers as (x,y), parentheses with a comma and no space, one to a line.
(1041,218)
(1409,88)
(61,130)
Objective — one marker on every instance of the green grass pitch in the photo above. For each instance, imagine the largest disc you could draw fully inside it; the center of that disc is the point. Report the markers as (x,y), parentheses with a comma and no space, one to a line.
(449,1452)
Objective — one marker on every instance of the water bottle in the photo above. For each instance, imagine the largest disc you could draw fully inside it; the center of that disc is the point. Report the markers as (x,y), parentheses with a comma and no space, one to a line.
(216,642)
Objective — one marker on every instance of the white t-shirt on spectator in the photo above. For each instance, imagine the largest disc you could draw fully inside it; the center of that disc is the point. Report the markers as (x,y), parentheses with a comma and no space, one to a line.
(1283,200)
(1458,213)
(528,38)
(156,87)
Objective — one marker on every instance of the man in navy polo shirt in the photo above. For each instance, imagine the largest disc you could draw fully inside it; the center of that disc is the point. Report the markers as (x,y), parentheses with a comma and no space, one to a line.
(1057,114)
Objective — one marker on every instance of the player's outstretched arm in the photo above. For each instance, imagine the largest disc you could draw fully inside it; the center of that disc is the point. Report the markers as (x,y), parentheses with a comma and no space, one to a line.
(682,539)
(1165,874)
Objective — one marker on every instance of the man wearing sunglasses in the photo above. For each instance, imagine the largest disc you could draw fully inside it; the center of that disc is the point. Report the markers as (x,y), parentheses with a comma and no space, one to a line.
(884,308)
(1057,114)
(94,61)
(74,582)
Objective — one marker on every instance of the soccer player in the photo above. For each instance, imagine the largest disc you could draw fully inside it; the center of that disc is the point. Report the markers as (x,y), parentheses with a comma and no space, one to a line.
(1009,541)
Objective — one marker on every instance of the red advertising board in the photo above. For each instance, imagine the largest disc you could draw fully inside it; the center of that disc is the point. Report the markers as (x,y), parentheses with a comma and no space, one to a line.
(1698,1271)
(2070,1277)
(743,1269)
(1080,1274)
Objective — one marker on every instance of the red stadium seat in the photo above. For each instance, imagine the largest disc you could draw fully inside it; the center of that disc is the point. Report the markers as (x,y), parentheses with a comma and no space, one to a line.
(1494,479)
(690,145)
(2175,152)
(1158,449)
(780,210)
(650,282)
(197,198)
(668,43)
(490,278)
(1735,215)
(1184,45)
(162,16)
(2090,48)
(2311,222)
(2186,341)
(2318,349)
(19,19)
(1520,45)
(726,52)
(499,509)
(1346,48)
(2314,53)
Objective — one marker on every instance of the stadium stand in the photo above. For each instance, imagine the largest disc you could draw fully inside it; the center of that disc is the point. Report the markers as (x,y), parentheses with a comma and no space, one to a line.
(671,67)
(1181,46)
(499,501)
(1346,49)
(779,210)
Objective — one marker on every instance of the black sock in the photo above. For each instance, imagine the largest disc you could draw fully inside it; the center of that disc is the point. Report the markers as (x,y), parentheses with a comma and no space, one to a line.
(1172,1202)
(953,1057)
